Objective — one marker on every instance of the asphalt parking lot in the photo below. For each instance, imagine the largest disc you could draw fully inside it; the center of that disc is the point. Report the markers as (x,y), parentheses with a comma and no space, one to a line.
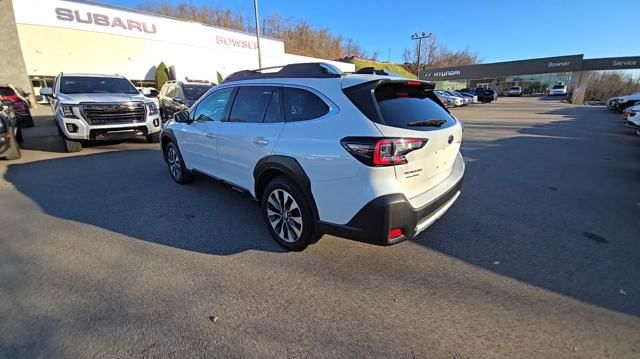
(102,255)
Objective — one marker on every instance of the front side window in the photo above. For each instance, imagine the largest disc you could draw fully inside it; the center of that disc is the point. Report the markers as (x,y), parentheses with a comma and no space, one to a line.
(6,91)
(212,107)
(89,84)
(251,104)
(302,105)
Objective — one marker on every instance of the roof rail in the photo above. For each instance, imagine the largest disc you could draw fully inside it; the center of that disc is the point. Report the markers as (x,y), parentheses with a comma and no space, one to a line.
(301,70)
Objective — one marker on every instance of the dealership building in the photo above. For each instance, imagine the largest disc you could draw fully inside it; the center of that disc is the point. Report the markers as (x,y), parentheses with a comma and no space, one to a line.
(41,38)
(535,76)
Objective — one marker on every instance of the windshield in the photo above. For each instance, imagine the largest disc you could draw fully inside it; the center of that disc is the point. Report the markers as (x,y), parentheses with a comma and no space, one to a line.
(194,92)
(558,87)
(88,84)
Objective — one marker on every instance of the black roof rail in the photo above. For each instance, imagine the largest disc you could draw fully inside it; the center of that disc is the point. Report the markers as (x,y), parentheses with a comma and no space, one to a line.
(371,71)
(301,70)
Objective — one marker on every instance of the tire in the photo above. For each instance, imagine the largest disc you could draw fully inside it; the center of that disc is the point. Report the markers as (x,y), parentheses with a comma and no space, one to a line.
(297,230)
(175,163)
(71,146)
(154,137)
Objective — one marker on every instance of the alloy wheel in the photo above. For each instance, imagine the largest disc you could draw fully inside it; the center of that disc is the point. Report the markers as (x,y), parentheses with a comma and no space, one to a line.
(284,215)
(173,160)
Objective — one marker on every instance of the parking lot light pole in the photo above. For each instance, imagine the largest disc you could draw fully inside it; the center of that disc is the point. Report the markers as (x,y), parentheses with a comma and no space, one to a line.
(255,8)
(419,36)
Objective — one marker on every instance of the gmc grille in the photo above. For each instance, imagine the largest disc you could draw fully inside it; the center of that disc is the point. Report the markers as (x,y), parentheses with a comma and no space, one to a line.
(114,113)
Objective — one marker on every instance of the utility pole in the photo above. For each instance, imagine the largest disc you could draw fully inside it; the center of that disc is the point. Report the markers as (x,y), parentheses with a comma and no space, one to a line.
(419,36)
(389,58)
(255,8)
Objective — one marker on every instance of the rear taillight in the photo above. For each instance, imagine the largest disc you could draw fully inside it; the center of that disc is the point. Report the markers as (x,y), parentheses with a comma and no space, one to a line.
(382,151)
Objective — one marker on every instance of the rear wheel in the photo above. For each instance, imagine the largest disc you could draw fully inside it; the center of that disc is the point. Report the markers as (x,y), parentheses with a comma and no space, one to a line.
(287,214)
(177,169)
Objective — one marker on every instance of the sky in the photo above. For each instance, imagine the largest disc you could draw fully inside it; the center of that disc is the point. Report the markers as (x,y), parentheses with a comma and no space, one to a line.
(497,30)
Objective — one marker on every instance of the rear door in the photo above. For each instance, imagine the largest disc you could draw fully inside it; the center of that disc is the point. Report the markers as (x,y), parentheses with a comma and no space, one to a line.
(411,110)
(249,133)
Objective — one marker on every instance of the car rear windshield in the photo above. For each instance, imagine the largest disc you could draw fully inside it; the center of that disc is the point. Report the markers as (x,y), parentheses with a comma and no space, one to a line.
(6,91)
(90,84)
(558,87)
(194,92)
(411,107)
(516,88)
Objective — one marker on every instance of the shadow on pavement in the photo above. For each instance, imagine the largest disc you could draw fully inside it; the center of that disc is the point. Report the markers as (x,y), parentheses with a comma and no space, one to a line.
(557,206)
(131,192)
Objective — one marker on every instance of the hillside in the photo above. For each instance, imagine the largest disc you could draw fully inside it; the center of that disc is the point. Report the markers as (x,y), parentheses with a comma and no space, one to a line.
(398,69)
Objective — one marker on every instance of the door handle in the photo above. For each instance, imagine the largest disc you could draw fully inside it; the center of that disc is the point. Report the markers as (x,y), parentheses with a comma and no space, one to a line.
(261,141)
(208,135)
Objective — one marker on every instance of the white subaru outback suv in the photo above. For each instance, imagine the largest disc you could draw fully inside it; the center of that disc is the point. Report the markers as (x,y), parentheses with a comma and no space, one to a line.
(363,156)
(91,107)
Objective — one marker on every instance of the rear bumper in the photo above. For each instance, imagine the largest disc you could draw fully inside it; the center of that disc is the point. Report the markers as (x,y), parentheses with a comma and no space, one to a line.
(394,211)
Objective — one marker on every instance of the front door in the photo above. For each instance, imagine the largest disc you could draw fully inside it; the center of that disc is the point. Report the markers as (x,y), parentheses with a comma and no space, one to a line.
(250,133)
(197,140)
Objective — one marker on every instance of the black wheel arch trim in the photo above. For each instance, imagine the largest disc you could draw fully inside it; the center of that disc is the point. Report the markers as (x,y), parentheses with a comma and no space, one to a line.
(166,134)
(290,167)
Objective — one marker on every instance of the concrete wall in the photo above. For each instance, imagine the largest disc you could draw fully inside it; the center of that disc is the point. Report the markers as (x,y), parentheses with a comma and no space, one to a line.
(12,66)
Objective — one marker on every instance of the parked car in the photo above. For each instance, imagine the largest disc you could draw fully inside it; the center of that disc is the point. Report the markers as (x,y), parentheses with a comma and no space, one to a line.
(632,117)
(627,101)
(20,105)
(484,95)
(447,101)
(465,99)
(455,100)
(612,103)
(558,90)
(474,98)
(515,91)
(10,132)
(369,157)
(176,96)
(92,107)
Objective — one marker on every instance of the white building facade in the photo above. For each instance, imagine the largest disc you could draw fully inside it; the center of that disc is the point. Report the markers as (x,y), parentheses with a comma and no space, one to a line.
(56,36)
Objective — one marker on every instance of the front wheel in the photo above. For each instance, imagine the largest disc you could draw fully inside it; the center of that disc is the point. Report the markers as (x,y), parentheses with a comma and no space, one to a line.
(154,137)
(178,171)
(287,214)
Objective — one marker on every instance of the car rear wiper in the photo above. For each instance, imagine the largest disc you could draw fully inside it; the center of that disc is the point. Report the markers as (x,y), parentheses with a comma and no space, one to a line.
(427,123)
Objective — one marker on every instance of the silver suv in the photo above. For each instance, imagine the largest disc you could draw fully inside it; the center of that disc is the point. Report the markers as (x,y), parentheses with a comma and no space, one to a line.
(90,107)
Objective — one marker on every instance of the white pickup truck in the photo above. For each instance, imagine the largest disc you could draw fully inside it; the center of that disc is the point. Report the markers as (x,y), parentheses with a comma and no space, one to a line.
(90,107)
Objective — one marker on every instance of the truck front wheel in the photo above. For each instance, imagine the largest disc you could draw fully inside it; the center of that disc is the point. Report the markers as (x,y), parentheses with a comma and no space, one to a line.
(154,137)
(71,146)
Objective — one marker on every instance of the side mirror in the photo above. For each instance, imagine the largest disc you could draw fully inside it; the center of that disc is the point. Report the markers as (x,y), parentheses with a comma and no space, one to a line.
(145,91)
(182,116)
(46,91)
(178,100)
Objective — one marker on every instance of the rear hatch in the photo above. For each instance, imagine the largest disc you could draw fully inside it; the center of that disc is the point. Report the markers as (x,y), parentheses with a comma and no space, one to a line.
(410,110)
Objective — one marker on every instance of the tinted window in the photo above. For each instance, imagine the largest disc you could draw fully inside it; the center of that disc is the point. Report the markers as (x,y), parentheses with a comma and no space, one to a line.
(274,108)
(251,103)
(557,87)
(212,107)
(6,91)
(411,107)
(515,88)
(194,92)
(301,105)
(81,84)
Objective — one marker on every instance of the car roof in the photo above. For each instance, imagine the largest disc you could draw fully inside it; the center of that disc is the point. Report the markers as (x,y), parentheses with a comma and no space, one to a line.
(91,75)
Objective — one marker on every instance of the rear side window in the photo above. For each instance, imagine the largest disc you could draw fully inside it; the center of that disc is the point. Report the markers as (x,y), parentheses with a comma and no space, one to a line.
(302,105)
(251,104)
(411,107)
